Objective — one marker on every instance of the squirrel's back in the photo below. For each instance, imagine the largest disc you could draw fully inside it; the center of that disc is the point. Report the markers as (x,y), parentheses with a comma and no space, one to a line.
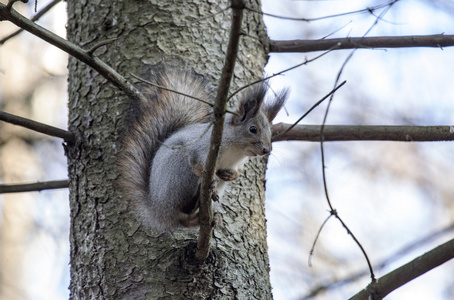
(150,123)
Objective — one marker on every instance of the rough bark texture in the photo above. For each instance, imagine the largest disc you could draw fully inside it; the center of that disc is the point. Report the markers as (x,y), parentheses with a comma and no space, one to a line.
(112,255)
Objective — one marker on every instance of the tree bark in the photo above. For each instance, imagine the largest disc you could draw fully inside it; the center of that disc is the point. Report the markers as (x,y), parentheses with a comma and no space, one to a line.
(113,256)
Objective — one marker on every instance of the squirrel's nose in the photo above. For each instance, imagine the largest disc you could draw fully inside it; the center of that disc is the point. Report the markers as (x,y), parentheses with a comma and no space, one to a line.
(266,150)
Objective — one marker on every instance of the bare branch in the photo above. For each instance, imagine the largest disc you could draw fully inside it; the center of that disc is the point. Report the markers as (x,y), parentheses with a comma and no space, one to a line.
(333,211)
(308,112)
(34,19)
(406,273)
(37,126)
(33,187)
(311,252)
(283,71)
(101,67)
(178,92)
(436,41)
(171,90)
(336,283)
(11,3)
(365,10)
(311,133)
(206,211)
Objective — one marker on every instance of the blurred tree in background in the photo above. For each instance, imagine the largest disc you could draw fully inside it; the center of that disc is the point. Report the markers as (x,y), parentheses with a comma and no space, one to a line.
(396,197)
(34,227)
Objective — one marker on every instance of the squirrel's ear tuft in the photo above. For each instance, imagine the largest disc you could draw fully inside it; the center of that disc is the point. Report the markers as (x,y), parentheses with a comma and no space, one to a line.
(250,103)
(271,108)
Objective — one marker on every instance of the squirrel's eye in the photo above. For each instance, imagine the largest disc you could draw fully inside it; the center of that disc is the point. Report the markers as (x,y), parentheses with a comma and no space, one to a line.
(253,129)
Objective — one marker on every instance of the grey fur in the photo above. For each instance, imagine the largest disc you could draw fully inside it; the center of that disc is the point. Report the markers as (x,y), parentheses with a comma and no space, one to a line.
(168,140)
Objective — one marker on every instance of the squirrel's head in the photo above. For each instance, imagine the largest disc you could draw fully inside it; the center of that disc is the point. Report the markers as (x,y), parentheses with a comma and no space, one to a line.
(252,122)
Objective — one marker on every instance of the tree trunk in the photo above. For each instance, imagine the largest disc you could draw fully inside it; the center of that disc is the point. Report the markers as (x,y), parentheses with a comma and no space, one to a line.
(113,256)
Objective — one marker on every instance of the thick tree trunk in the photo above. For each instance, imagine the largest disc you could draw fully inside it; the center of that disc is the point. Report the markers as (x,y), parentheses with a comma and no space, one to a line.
(112,255)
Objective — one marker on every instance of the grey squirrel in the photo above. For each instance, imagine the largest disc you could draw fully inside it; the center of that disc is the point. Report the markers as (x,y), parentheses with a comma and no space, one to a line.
(167,142)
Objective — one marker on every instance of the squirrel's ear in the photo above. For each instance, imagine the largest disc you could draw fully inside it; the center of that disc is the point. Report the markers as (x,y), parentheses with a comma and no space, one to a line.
(271,108)
(250,104)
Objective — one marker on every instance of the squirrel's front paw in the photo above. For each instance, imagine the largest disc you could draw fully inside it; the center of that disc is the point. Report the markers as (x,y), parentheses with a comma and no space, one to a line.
(228,174)
(214,194)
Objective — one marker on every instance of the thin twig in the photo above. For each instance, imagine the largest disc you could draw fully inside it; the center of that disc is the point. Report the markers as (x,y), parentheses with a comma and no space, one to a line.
(33,187)
(206,211)
(35,18)
(37,126)
(10,4)
(325,186)
(308,112)
(178,92)
(283,71)
(170,90)
(311,252)
(335,31)
(179,147)
(365,10)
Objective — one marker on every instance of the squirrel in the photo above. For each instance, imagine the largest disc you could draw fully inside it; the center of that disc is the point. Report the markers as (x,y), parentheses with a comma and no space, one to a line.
(168,138)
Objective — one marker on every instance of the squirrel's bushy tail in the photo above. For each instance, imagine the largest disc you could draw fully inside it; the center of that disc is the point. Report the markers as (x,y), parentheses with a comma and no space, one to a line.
(150,123)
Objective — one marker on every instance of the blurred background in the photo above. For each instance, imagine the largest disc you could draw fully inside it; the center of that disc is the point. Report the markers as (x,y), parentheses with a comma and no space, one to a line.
(34,227)
(393,195)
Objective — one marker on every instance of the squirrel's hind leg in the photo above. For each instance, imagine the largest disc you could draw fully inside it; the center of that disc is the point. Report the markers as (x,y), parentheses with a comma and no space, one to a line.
(228,174)
(192,220)
(189,220)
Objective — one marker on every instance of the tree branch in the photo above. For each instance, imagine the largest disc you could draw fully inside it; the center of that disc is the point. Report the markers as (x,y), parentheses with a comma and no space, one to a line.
(205,210)
(178,92)
(33,187)
(400,276)
(101,67)
(333,211)
(437,41)
(364,10)
(37,126)
(34,19)
(336,283)
(364,133)
(275,137)
(305,62)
